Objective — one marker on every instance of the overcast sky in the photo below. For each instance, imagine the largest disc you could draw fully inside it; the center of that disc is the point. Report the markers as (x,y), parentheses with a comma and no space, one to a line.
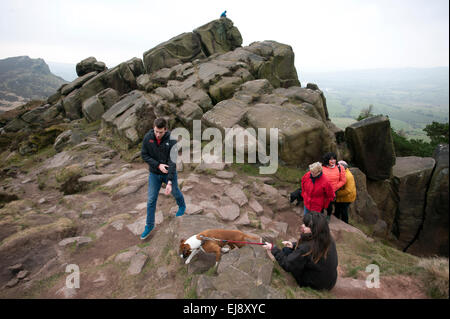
(324,34)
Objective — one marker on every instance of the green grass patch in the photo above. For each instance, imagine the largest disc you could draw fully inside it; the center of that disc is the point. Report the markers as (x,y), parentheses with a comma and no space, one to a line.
(43,285)
(356,253)
(189,289)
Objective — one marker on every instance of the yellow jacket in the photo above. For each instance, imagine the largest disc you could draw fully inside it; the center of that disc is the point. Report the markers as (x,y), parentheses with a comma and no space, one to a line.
(347,194)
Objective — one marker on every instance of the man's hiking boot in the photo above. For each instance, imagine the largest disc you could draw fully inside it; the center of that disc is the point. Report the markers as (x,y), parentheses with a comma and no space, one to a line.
(147,231)
(181,211)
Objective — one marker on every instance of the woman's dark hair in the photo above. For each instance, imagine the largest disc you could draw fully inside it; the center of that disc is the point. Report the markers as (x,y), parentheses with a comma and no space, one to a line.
(326,158)
(320,235)
(160,122)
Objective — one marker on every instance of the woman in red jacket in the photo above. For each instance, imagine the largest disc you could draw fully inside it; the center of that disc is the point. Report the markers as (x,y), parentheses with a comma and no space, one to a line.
(335,174)
(317,192)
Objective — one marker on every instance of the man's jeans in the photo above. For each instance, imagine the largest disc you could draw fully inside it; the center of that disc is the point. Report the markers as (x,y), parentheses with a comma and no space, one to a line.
(154,185)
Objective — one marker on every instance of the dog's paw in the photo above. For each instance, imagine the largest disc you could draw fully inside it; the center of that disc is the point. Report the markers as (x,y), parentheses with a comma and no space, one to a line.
(225,249)
(187,262)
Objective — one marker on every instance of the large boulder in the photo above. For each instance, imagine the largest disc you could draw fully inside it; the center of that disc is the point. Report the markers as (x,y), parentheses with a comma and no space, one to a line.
(244,273)
(225,114)
(94,107)
(183,48)
(302,139)
(433,238)
(93,86)
(305,98)
(372,148)
(411,177)
(72,105)
(121,78)
(77,83)
(42,116)
(89,65)
(132,116)
(386,199)
(219,36)
(278,66)
(188,112)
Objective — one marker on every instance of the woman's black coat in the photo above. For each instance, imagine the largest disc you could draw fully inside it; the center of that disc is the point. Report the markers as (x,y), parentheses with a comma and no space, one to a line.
(322,275)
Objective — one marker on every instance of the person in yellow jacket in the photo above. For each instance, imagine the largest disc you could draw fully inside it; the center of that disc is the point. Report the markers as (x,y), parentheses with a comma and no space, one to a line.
(346,195)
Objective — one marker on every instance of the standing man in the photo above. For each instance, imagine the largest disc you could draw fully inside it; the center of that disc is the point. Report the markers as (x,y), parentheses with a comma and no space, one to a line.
(156,151)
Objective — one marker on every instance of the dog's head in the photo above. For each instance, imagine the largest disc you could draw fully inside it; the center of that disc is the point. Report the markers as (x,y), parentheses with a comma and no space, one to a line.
(296,196)
(185,249)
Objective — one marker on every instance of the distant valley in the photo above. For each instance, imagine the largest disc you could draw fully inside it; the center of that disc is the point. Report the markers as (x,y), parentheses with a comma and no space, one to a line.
(411,97)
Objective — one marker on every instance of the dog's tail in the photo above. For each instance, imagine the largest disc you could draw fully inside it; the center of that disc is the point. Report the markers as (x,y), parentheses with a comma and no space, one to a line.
(259,239)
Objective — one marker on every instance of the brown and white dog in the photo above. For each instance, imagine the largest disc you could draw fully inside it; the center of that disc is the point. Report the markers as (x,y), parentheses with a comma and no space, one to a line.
(215,244)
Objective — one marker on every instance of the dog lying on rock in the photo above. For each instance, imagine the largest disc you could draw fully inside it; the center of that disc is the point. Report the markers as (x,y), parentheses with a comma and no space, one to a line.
(212,241)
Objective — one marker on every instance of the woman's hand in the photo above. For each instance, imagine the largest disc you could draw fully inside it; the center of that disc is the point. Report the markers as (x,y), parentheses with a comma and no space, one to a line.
(268,246)
(287,244)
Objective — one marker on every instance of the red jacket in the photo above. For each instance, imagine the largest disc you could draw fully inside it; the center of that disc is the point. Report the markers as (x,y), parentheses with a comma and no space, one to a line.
(317,195)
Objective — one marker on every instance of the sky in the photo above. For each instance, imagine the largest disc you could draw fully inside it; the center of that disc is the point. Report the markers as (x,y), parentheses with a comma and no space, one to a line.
(326,35)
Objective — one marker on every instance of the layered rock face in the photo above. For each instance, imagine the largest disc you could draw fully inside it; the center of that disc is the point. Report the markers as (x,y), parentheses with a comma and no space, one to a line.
(202,75)
(405,197)
(433,237)
(218,36)
(411,178)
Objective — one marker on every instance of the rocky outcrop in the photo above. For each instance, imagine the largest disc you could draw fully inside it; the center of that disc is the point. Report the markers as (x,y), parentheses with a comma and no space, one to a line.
(94,107)
(183,48)
(202,75)
(371,145)
(386,200)
(218,36)
(277,67)
(433,236)
(411,179)
(133,115)
(89,65)
(242,273)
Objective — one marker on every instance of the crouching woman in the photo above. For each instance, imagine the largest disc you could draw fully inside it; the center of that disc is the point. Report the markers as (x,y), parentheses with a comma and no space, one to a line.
(313,259)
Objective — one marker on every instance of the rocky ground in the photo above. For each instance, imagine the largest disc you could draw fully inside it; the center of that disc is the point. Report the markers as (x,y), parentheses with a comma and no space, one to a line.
(96,224)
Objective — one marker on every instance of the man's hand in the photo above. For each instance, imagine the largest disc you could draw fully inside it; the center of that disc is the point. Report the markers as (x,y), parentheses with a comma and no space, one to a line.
(287,244)
(163,168)
(268,246)
(168,189)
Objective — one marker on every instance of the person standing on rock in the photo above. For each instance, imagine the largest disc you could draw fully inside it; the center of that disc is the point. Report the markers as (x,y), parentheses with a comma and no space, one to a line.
(156,152)
(346,195)
(335,174)
(317,192)
(313,260)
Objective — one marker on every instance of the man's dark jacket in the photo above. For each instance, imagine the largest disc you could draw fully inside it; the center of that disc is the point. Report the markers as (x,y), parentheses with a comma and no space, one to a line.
(322,275)
(154,154)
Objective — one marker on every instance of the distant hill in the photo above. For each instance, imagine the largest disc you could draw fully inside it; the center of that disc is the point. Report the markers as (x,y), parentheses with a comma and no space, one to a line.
(23,79)
(411,97)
